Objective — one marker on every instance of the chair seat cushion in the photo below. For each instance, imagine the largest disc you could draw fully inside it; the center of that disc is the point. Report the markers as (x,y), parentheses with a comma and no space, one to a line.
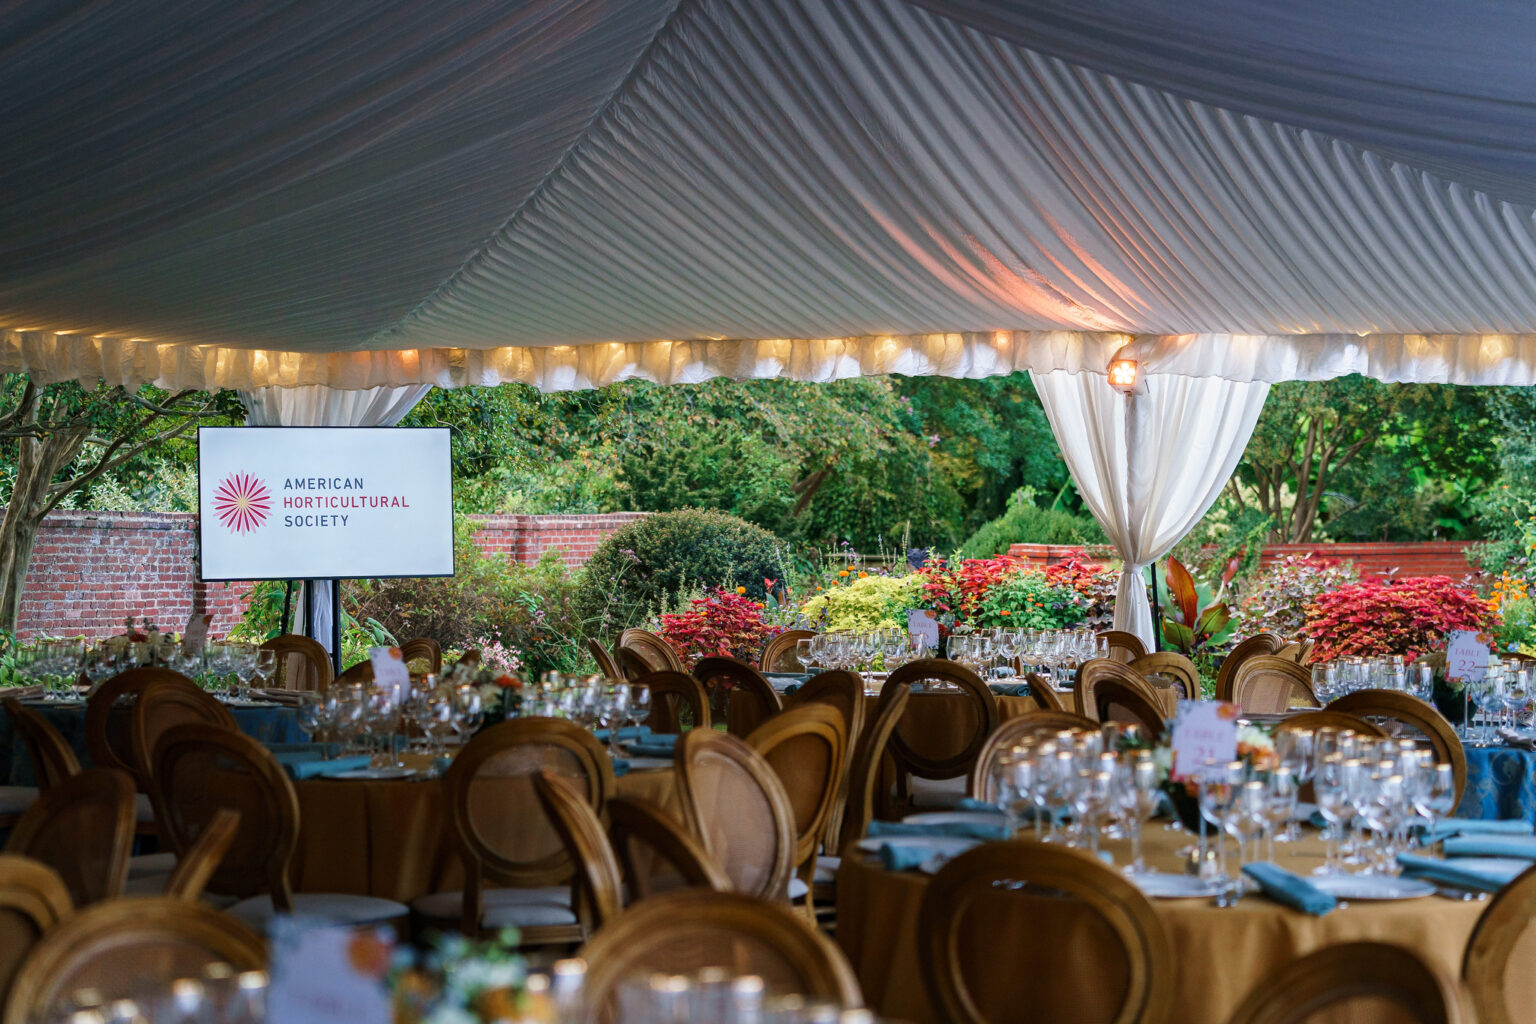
(826,870)
(146,884)
(523,908)
(16,799)
(797,888)
(143,810)
(341,908)
(938,794)
(151,864)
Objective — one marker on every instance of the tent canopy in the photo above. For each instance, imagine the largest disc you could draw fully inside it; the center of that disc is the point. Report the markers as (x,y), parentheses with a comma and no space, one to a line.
(572,192)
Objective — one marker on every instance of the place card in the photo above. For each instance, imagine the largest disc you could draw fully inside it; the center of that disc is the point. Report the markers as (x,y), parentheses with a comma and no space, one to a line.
(1203,731)
(195,637)
(924,626)
(390,670)
(323,973)
(1466,656)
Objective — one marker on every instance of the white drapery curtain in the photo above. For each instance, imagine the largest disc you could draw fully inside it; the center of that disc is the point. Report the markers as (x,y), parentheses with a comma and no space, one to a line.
(1149,465)
(326,407)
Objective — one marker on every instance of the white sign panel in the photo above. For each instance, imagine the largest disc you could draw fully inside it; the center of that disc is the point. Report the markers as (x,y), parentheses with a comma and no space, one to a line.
(1465,657)
(1203,731)
(280,503)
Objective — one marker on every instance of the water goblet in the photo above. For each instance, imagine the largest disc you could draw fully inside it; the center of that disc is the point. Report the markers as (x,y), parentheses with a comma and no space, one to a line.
(1280,805)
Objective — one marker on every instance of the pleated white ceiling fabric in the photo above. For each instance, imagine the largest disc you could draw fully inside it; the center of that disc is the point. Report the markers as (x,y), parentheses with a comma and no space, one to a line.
(572,193)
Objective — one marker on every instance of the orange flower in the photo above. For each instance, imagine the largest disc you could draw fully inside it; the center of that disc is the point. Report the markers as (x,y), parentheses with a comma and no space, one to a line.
(1005,611)
(843,573)
(863,574)
(741,590)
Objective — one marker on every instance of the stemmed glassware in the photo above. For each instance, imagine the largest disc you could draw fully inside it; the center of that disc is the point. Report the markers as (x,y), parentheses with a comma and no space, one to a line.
(1294,752)
(1140,796)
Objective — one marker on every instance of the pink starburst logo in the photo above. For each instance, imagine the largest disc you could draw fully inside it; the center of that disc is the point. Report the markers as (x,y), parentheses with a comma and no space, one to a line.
(242,502)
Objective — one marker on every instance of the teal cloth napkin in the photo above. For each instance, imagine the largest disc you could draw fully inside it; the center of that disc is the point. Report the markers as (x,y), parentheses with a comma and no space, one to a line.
(1292,890)
(306,749)
(620,767)
(1484,879)
(967,829)
(629,732)
(970,803)
(659,744)
(1480,826)
(906,856)
(300,766)
(1011,689)
(1491,846)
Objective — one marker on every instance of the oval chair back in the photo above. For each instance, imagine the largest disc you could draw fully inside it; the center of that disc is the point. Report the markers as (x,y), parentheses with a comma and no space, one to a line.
(807,747)
(1046,695)
(586,844)
(672,693)
(1499,930)
(864,774)
(1422,717)
(735,805)
(1121,701)
(980,706)
(1337,974)
(1014,732)
(53,760)
(1270,684)
(161,707)
(749,699)
(1259,643)
(302,664)
(778,654)
(658,654)
(643,835)
(83,829)
(1124,646)
(33,898)
(631,665)
(1176,667)
(1090,672)
(108,736)
(843,691)
(423,648)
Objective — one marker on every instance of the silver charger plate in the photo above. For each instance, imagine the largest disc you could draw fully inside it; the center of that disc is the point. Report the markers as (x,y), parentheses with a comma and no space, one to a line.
(1160,885)
(954,818)
(1373,887)
(375,773)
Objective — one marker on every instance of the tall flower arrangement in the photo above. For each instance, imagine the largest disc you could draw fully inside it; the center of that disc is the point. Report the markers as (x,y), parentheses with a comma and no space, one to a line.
(1406,616)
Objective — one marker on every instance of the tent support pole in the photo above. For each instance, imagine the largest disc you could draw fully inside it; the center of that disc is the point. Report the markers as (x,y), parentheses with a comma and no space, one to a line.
(1157,613)
(287,604)
(336,626)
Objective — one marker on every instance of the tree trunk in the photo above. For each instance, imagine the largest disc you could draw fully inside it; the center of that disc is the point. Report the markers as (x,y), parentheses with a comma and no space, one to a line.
(36,465)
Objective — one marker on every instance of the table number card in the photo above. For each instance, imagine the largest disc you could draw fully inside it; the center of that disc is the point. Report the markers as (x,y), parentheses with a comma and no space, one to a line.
(196,634)
(1203,730)
(923,625)
(389,670)
(1466,656)
(328,974)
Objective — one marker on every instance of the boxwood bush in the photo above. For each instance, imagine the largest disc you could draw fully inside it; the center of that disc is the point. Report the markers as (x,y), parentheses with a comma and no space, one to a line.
(657,562)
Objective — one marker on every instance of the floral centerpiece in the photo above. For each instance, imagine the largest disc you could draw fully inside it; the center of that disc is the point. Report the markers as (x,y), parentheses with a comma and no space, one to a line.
(493,670)
(1255,748)
(460,981)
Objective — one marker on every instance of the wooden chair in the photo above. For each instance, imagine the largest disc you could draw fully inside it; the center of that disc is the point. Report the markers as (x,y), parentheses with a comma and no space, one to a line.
(1485,965)
(1329,719)
(991,872)
(657,652)
(734,804)
(503,835)
(200,771)
(600,881)
(1259,643)
(631,665)
(1090,672)
(108,738)
(53,760)
(1173,665)
(33,898)
(779,652)
(1120,701)
(806,746)
(606,666)
(642,834)
(845,692)
(1270,684)
(1046,694)
(1422,717)
(671,694)
(1014,732)
(1124,647)
(750,700)
(864,775)
(83,829)
(355,675)
(128,945)
(930,764)
(685,931)
(161,707)
(302,663)
(1352,970)
(204,856)
(423,648)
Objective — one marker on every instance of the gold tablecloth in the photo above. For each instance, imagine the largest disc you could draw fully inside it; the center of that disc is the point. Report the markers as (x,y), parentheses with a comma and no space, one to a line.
(389,838)
(1045,960)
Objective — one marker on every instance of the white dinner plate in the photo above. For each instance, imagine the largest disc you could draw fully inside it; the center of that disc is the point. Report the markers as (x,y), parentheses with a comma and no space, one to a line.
(954,818)
(645,764)
(1493,865)
(1166,886)
(1303,811)
(376,773)
(1372,887)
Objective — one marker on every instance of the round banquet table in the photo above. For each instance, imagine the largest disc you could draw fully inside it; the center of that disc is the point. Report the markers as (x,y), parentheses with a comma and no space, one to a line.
(389,838)
(1051,952)
(1501,783)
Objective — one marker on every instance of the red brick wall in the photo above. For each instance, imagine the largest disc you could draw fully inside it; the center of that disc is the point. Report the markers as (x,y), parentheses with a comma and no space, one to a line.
(91,570)
(1427,558)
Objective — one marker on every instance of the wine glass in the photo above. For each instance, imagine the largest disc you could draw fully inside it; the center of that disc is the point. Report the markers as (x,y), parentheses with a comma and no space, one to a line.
(266,666)
(1280,804)
(470,712)
(1294,751)
(1218,791)
(805,653)
(1140,799)
(1435,794)
(639,707)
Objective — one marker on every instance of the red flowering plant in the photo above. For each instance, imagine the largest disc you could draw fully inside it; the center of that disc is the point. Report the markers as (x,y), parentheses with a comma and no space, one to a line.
(724,623)
(1406,616)
(955,590)
(1095,586)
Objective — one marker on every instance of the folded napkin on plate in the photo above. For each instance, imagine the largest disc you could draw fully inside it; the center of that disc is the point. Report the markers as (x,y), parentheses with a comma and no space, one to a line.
(1478,826)
(1292,890)
(1523,847)
(661,744)
(303,751)
(629,732)
(1011,689)
(276,696)
(966,829)
(620,767)
(309,766)
(1485,879)
(973,805)
(908,856)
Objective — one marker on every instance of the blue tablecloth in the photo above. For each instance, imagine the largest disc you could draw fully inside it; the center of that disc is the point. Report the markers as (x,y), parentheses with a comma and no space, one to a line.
(268,725)
(1501,783)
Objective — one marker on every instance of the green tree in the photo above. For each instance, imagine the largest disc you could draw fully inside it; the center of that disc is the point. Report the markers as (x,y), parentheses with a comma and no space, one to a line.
(60,439)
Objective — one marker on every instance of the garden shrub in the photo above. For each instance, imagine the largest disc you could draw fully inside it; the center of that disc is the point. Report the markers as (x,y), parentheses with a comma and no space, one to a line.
(726,623)
(1406,616)
(643,568)
(1275,599)
(534,616)
(1096,587)
(1027,523)
(448,609)
(864,603)
(1027,599)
